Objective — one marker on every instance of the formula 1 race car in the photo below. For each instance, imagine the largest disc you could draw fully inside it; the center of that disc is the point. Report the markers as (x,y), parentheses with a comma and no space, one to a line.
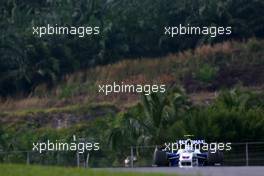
(187,157)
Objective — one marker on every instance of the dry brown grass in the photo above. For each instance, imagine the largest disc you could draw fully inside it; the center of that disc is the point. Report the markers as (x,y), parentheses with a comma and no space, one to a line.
(149,67)
(83,84)
(33,102)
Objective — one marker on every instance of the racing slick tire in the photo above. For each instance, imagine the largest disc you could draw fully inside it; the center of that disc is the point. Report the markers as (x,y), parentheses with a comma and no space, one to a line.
(216,158)
(160,158)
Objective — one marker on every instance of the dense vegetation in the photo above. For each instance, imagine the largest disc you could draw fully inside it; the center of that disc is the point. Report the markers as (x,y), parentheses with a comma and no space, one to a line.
(61,74)
(27,61)
(207,68)
(235,116)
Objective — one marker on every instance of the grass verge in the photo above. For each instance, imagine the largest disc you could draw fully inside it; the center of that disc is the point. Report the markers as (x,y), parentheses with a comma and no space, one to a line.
(22,170)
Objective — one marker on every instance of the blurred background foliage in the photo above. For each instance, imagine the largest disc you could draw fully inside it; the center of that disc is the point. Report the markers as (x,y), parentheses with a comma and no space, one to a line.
(132,29)
(235,116)
(129,29)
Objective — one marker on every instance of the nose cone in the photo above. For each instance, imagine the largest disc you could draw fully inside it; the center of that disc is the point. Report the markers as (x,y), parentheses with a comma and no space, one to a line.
(186,156)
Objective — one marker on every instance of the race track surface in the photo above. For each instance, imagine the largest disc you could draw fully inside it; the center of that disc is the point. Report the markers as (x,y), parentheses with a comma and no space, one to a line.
(200,171)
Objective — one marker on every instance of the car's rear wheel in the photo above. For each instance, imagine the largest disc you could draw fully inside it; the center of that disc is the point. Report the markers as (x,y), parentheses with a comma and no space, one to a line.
(216,158)
(160,158)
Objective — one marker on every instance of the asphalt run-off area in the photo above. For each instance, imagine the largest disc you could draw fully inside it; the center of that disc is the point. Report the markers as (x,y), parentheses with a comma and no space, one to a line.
(201,171)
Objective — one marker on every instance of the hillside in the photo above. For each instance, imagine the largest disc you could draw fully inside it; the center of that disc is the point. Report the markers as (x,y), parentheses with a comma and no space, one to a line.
(202,72)
(206,69)
(128,29)
(214,92)
(104,83)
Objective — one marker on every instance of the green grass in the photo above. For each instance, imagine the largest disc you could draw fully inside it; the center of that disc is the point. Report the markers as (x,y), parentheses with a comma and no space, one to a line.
(22,170)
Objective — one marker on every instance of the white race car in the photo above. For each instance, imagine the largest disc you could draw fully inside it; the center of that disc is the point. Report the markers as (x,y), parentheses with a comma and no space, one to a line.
(187,157)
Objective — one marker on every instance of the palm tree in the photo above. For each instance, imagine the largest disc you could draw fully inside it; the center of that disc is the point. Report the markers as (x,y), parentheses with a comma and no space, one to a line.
(236,99)
(160,113)
(124,132)
(149,121)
